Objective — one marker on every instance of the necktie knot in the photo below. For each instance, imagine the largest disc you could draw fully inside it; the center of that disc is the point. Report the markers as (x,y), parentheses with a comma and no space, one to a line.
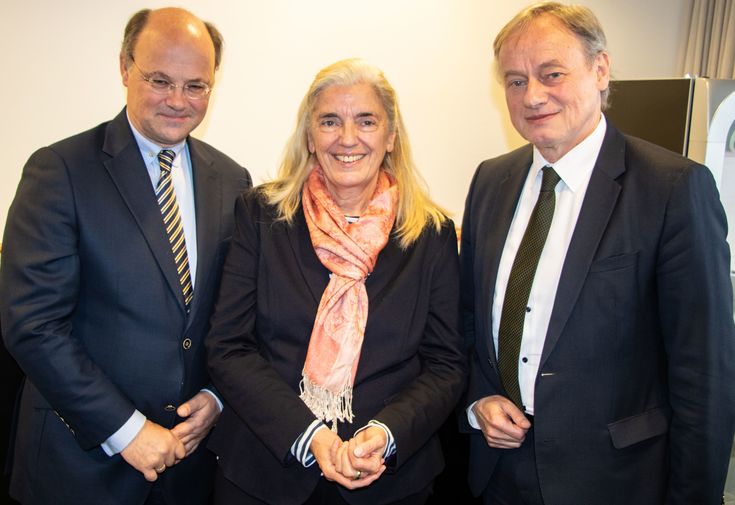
(550,179)
(166,159)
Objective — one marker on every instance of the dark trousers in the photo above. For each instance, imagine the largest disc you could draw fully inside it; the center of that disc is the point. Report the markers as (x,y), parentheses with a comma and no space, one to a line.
(326,493)
(515,479)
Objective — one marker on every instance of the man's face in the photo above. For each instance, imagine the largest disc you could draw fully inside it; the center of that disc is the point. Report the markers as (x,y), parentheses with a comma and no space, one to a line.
(168,117)
(551,88)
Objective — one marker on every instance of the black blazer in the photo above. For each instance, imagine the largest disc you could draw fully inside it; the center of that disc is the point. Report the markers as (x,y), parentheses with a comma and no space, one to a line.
(93,312)
(634,400)
(411,369)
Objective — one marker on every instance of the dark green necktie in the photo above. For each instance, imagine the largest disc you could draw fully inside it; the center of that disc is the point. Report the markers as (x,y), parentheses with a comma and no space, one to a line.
(519,285)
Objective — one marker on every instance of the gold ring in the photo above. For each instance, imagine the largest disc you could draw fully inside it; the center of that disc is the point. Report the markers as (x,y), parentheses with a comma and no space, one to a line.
(161,468)
(357,476)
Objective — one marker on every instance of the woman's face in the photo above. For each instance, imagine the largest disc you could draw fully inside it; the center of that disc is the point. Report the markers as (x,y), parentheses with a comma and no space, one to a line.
(349,134)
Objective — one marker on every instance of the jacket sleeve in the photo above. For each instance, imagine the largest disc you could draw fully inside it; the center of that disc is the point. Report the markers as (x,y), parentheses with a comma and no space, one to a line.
(249,384)
(39,286)
(695,312)
(418,410)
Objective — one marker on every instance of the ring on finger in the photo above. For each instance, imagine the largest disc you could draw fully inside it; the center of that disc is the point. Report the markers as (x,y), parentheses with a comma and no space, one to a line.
(161,468)
(357,476)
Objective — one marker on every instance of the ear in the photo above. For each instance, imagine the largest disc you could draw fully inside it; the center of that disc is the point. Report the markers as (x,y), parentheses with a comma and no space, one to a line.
(391,141)
(310,144)
(602,68)
(124,71)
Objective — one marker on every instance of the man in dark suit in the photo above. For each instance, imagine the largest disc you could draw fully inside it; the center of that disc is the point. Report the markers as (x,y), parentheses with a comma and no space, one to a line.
(112,257)
(596,295)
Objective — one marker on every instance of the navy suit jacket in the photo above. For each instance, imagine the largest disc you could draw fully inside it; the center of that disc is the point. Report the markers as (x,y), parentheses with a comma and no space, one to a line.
(411,369)
(634,397)
(93,312)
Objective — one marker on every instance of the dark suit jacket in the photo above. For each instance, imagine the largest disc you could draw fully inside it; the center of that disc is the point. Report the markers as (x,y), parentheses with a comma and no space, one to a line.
(411,369)
(93,312)
(634,398)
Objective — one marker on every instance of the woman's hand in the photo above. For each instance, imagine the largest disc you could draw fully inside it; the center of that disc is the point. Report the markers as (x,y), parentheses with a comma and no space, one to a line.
(333,457)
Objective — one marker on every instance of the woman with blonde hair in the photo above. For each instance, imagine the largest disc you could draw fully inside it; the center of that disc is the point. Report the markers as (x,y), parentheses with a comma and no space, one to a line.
(336,339)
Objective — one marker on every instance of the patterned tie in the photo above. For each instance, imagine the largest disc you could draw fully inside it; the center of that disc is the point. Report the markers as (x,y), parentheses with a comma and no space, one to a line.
(172,222)
(519,285)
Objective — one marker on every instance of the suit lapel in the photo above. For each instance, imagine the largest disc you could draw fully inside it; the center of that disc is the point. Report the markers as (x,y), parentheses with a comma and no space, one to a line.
(127,170)
(599,202)
(499,209)
(391,261)
(315,274)
(208,204)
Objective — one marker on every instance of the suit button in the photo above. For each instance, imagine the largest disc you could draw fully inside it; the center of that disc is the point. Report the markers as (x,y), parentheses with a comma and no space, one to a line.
(187,343)
(169,408)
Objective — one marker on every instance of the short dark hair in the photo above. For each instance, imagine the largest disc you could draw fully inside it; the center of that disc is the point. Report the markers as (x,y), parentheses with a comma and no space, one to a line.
(138,21)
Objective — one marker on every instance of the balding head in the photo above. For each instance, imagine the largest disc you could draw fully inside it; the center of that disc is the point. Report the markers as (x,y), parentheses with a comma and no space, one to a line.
(170,22)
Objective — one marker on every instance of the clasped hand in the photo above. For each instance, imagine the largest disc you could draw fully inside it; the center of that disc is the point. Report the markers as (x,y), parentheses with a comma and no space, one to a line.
(355,463)
(156,448)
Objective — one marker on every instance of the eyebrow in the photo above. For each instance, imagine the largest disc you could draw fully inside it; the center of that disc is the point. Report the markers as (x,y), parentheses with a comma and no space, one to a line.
(551,63)
(358,115)
(164,75)
(543,66)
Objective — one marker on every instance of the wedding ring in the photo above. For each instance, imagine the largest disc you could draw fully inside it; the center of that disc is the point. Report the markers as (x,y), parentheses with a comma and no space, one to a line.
(161,468)
(357,476)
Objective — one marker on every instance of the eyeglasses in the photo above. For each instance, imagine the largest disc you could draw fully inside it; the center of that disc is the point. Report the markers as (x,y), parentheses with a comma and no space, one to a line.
(194,90)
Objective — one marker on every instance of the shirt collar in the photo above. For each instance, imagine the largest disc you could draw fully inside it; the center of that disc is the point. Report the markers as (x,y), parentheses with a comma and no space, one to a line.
(575,167)
(150,149)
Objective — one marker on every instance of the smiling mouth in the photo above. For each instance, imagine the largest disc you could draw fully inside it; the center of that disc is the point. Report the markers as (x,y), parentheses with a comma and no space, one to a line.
(540,117)
(349,158)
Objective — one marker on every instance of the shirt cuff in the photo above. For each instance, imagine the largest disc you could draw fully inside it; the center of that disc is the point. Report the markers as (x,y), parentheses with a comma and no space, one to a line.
(216,398)
(301,448)
(390,446)
(123,436)
(471,417)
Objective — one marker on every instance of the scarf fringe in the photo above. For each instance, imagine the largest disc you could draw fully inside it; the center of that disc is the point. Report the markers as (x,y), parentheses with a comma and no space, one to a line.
(324,404)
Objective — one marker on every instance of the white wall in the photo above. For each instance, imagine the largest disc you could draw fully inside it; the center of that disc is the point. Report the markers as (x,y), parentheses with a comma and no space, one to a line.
(60,72)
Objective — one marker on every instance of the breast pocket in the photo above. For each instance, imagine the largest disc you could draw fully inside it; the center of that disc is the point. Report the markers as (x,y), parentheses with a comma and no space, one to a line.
(612,263)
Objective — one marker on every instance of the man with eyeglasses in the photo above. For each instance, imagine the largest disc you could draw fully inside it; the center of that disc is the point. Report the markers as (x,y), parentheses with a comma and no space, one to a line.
(112,256)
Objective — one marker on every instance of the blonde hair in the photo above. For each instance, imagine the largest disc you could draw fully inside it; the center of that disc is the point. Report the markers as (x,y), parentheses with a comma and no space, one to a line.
(578,19)
(415,210)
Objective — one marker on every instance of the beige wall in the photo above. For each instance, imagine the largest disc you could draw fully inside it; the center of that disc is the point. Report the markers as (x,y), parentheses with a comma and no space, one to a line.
(60,72)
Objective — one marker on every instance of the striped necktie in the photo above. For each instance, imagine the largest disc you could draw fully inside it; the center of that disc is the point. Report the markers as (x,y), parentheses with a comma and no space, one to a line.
(172,221)
(520,281)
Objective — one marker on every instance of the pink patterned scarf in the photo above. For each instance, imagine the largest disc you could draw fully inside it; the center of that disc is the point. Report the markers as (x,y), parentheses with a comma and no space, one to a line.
(349,251)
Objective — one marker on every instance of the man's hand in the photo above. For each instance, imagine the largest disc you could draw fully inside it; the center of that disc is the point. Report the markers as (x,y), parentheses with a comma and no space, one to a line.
(200,414)
(331,455)
(152,450)
(502,423)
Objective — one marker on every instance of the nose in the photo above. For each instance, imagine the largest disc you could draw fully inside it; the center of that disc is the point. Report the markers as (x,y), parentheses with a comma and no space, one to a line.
(349,134)
(176,98)
(535,94)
